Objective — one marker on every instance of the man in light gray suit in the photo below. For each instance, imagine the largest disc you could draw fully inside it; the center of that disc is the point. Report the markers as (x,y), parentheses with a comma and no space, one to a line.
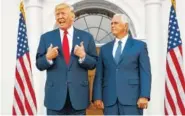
(66,54)
(123,77)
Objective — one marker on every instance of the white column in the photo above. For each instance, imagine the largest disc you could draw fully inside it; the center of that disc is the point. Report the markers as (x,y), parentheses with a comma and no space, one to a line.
(153,31)
(34,25)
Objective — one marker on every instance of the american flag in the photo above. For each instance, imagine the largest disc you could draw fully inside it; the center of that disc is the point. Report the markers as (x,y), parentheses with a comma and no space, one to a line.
(24,102)
(175,80)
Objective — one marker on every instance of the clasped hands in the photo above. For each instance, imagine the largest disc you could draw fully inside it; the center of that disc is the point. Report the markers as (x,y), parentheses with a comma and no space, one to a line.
(142,103)
(52,52)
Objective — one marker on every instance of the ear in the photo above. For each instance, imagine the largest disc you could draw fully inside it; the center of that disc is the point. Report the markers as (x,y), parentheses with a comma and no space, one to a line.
(73,15)
(126,26)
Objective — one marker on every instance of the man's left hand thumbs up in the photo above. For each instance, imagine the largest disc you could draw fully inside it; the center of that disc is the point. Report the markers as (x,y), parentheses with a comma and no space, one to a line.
(82,44)
(79,50)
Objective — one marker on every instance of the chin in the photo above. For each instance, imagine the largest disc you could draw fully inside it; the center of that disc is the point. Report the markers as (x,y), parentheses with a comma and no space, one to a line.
(62,27)
(114,33)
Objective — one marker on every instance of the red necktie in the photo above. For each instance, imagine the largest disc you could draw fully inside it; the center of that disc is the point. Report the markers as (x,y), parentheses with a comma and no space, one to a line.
(65,48)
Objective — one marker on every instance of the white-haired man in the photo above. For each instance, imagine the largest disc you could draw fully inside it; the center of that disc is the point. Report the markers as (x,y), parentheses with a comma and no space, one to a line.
(123,77)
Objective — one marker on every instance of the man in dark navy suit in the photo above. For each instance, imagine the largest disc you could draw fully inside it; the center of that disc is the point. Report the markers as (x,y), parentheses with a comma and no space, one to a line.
(123,77)
(66,54)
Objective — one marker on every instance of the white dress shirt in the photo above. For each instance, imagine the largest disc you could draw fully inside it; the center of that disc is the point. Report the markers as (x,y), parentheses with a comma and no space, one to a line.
(69,36)
(123,40)
(70,32)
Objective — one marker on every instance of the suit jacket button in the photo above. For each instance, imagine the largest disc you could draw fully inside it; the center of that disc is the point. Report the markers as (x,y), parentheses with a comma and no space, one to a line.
(68,82)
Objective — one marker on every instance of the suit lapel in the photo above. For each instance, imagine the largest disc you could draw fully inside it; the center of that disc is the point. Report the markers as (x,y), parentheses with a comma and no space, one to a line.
(111,49)
(126,49)
(58,42)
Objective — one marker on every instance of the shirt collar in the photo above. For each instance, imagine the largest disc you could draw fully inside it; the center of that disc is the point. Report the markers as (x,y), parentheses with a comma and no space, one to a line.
(69,30)
(123,40)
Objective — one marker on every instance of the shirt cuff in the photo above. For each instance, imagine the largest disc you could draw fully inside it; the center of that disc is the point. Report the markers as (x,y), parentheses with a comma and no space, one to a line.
(81,60)
(50,62)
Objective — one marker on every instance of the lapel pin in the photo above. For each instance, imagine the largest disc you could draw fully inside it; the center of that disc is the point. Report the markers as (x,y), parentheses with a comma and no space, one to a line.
(78,37)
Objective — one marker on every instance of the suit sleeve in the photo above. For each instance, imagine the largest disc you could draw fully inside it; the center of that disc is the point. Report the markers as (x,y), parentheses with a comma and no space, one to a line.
(91,56)
(41,61)
(145,73)
(97,85)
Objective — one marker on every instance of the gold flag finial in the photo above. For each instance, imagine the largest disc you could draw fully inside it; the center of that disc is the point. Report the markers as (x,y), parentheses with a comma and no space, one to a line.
(22,9)
(173,3)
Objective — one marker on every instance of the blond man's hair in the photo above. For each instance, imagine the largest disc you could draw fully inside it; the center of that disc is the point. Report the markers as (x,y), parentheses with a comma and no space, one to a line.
(65,6)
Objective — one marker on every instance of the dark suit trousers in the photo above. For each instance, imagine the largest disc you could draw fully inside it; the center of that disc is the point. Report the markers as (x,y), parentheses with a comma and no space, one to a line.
(119,109)
(67,109)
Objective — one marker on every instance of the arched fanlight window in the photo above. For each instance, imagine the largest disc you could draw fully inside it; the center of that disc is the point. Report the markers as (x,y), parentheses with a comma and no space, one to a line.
(94,16)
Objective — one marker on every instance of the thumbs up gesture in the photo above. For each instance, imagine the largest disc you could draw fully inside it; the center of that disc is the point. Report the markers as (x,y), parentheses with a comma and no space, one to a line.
(79,50)
(52,52)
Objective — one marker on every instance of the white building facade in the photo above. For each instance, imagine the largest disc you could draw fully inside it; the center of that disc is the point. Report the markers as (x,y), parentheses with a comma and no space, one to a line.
(148,22)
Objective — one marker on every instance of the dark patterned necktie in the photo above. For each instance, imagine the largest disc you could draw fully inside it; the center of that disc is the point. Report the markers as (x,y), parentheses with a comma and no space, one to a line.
(118,52)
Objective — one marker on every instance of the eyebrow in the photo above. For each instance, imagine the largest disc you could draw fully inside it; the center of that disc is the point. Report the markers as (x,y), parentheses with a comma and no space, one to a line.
(114,22)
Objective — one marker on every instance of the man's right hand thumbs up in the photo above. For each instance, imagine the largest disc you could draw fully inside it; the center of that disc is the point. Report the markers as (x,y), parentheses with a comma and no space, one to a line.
(52,52)
(50,47)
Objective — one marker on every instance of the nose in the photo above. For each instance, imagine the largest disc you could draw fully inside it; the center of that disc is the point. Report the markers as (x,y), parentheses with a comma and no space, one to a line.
(112,25)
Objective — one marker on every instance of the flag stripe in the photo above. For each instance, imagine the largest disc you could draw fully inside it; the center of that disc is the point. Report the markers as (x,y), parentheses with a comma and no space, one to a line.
(27,79)
(20,82)
(21,89)
(19,102)
(179,59)
(172,80)
(19,96)
(166,111)
(14,112)
(33,100)
(170,87)
(170,100)
(173,99)
(179,71)
(28,108)
(27,67)
(180,49)
(175,74)
(167,107)
(17,110)
(26,92)
(28,56)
